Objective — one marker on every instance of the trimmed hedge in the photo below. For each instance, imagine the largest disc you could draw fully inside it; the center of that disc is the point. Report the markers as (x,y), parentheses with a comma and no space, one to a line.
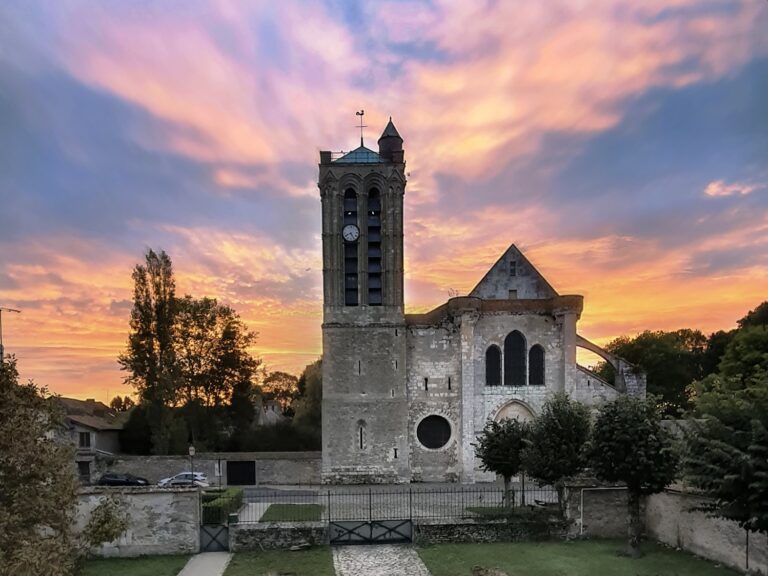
(223,503)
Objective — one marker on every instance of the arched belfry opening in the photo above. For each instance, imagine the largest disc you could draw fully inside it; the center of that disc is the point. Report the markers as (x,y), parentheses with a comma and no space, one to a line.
(350,250)
(493,366)
(375,287)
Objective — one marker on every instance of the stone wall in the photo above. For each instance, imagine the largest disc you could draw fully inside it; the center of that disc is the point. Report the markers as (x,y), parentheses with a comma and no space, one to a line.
(271,467)
(670,518)
(596,511)
(276,536)
(160,521)
(468,532)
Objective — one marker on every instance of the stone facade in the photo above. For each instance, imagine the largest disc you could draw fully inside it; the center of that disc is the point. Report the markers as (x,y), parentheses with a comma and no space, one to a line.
(405,395)
(276,535)
(160,521)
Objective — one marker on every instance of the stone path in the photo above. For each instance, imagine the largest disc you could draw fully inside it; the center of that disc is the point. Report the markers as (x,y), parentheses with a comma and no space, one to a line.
(207,564)
(378,560)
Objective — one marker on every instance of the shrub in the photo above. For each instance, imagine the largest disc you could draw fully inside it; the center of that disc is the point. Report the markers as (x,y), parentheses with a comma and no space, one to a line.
(227,502)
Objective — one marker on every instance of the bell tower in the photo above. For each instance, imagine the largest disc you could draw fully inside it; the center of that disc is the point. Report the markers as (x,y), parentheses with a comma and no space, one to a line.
(364,408)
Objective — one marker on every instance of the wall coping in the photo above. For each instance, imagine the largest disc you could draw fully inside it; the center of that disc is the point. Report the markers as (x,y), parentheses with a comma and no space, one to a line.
(227,456)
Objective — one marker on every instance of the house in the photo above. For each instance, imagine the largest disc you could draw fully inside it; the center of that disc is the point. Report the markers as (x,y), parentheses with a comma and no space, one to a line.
(94,429)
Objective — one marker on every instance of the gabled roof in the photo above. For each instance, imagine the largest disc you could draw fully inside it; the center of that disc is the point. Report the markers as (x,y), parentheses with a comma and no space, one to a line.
(527,281)
(361,155)
(92,414)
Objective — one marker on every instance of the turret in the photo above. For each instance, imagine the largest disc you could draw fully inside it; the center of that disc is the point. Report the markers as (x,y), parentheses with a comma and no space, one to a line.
(391,144)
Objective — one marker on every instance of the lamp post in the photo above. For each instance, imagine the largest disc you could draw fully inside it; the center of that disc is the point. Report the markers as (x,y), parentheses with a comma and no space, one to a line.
(192,462)
(2,350)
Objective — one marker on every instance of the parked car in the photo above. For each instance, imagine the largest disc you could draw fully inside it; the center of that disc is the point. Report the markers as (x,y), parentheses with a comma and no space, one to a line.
(185,479)
(116,479)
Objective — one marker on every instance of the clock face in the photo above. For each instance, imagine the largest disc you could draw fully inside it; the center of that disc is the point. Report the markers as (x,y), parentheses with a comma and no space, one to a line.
(350,233)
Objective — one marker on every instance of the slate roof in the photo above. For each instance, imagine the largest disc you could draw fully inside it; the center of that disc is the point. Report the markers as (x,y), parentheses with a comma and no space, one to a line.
(361,155)
(92,414)
(390,130)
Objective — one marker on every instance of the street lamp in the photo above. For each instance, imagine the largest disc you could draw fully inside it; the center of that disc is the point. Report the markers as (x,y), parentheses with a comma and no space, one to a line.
(192,462)
(2,350)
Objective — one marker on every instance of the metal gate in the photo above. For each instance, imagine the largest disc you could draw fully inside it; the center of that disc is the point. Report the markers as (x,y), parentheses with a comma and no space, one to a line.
(214,538)
(371,532)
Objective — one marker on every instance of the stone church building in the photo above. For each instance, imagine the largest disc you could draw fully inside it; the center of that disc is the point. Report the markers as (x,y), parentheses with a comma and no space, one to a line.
(405,395)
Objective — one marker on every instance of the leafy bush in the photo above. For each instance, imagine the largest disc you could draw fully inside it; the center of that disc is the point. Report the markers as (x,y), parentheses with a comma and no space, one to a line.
(227,502)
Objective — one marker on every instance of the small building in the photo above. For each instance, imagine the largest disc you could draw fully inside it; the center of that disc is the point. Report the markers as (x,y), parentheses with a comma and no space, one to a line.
(94,429)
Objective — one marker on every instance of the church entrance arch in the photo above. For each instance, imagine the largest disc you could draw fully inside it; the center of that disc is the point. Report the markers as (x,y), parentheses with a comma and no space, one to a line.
(514,409)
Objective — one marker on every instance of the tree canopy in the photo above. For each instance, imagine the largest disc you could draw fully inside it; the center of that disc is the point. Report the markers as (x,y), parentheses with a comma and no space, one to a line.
(500,448)
(630,446)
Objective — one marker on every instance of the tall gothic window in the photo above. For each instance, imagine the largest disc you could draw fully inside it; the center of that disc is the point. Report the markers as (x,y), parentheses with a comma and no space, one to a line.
(536,366)
(493,366)
(514,359)
(350,250)
(374,248)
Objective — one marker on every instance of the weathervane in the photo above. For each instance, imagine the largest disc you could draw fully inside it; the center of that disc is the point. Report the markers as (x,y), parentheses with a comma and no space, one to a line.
(361,114)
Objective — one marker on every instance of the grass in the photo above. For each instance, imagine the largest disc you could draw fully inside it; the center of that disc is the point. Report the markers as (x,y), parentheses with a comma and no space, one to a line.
(581,558)
(142,566)
(292,513)
(312,562)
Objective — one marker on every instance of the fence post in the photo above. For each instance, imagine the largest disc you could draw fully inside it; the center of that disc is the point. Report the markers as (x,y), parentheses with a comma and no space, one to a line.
(410,503)
(370,507)
(329,505)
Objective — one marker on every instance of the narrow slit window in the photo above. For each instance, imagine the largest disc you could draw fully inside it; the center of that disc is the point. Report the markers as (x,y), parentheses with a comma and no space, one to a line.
(449,382)
(395,453)
(359,367)
(426,383)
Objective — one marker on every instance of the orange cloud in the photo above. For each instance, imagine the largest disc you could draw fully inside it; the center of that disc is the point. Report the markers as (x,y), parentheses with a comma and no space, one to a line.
(722,188)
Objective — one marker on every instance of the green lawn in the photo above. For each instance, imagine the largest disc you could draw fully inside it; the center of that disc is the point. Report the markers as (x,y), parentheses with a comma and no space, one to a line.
(582,558)
(292,513)
(142,566)
(312,562)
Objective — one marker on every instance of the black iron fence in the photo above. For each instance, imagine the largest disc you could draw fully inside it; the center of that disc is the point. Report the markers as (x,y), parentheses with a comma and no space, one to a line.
(379,503)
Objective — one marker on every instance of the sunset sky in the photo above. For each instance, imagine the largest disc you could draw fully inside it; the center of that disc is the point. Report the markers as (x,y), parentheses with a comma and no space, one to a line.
(622,145)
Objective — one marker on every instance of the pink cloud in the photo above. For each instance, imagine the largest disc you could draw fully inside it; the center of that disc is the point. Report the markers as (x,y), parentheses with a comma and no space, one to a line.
(722,188)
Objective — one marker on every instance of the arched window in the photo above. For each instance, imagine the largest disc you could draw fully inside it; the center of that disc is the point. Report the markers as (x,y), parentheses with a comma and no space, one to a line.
(361,439)
(536,366)
(350,250)
(514,359)
(374,248)
(493,366)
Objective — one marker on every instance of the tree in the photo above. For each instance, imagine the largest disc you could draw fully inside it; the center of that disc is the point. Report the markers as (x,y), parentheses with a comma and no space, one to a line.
(756,317)
(746,357)
(121,403)
(150,357)
(499,447)
(280,387)
(630,446)
(37,482)
(716,346)
(211,345)
(671,361)
(309,404)
(558,438)
(727,447)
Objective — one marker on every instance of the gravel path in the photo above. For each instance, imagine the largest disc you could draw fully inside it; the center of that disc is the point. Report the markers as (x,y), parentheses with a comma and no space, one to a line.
(378,560)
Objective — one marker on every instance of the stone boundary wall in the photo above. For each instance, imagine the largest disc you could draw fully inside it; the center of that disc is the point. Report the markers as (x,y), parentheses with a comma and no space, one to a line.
(276,535)
(670,519)
(271,467)
(596,511)
(160,520)
(486,532)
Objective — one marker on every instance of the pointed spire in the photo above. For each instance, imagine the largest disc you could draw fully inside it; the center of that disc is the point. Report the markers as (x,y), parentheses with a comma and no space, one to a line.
(390,131)
(391,143)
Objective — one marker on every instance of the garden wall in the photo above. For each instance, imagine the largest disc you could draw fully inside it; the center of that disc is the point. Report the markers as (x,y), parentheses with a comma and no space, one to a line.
(160,521)
(271,467)
(596,511)
(670,518)
(512,530)
(276,535)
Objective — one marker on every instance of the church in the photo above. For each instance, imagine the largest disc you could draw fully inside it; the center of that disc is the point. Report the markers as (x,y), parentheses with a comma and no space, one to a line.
(405,395)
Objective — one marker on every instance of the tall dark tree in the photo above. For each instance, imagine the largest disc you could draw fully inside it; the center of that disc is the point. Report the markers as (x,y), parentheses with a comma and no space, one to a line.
(727,446)
(557,445)
(150,358)
(309,404)
(756,317)
(630,446)
(500,449)
(212,351)
(746,357)
(280,387)
(671,361)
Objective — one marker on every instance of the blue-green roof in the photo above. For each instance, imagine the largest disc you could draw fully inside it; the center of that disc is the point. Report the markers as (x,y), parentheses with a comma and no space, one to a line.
(361,155)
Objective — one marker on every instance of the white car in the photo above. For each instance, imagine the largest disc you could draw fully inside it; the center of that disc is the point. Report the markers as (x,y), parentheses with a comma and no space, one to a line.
(185,479)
